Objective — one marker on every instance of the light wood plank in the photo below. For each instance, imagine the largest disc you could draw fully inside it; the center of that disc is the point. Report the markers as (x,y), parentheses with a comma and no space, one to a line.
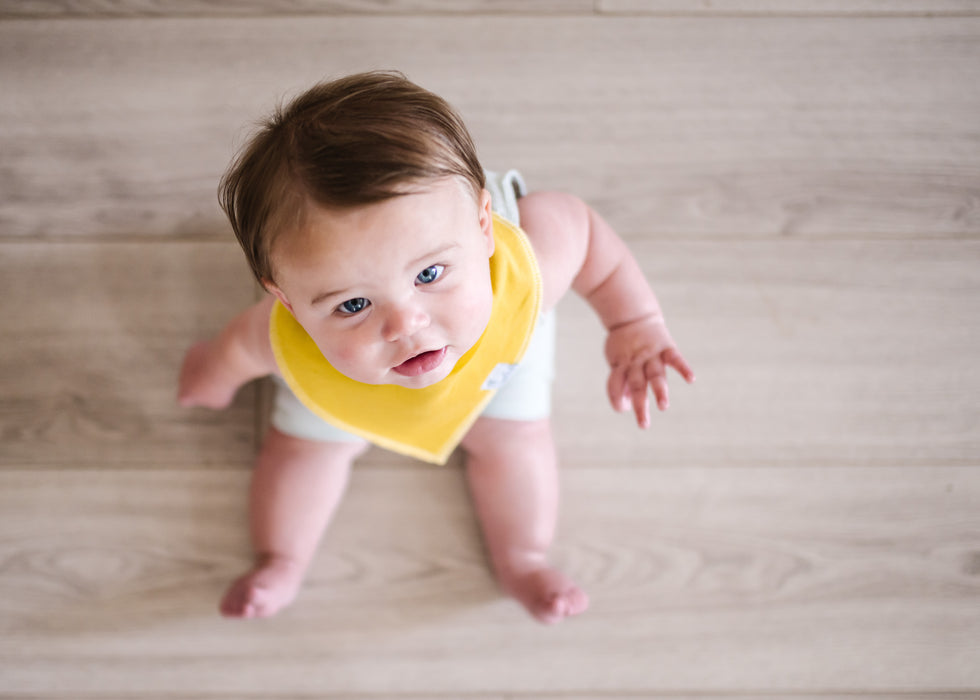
(808,353)
(672,127)
(93,338)
(769,8)
(250,8)
(761,580)
(268,8)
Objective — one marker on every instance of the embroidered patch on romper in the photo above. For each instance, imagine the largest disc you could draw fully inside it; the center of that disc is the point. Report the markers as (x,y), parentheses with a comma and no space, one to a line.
(498,376)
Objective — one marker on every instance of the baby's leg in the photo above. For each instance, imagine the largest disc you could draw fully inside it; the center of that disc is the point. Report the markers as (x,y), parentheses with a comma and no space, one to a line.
(513,476)
(296,486)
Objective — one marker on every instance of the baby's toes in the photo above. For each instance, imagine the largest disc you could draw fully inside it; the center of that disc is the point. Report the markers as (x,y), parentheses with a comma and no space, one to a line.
(561,604)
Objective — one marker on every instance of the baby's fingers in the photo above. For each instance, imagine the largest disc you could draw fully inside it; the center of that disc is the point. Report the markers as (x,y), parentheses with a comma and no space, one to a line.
(637,382)
(674,359)
(616,389)
(656,374)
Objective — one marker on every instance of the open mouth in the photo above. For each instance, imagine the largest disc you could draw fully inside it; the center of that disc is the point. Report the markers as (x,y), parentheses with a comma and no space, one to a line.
(421,363)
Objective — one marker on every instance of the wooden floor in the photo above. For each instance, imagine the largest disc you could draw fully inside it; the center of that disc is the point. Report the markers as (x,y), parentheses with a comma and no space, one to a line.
(801,181)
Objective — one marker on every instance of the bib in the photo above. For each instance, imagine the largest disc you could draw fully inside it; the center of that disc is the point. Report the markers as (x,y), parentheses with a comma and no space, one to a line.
(426,423)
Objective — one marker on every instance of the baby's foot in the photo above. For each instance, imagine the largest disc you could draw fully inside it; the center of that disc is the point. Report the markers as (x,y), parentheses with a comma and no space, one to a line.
(265,590)
(201,382)
(548,595)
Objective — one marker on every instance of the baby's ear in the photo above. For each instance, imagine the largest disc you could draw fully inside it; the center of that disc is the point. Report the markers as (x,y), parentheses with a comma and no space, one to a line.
(271,287)
(486,220)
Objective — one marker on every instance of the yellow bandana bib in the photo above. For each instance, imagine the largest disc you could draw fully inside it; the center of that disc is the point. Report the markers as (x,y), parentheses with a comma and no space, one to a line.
(423,423)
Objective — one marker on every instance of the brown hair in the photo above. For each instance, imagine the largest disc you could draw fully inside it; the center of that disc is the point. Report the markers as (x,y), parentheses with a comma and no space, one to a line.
(346,143)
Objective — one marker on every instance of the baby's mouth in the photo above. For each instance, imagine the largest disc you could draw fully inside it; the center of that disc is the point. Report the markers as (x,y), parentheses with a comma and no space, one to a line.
(421,363)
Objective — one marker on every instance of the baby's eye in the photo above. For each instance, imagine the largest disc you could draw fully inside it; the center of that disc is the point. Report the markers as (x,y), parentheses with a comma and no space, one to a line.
(353,306)
(429,274)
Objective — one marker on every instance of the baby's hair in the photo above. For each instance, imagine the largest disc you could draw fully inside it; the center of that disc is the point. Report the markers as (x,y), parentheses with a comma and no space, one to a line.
(351,142)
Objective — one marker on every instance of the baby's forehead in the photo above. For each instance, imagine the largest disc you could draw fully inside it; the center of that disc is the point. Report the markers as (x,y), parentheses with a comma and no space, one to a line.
(430,214)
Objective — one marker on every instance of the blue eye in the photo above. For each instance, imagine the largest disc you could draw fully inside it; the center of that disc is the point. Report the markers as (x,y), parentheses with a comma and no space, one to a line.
(353,306)
(429,274)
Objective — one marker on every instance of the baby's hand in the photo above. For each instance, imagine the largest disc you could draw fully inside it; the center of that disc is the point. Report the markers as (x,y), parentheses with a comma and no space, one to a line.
(639,353)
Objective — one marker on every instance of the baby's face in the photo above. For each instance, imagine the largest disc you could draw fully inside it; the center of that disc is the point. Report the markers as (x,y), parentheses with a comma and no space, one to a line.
(395,292)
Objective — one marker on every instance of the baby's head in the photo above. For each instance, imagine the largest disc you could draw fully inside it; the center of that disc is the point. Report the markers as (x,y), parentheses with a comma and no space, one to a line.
(362,206)
(341,145)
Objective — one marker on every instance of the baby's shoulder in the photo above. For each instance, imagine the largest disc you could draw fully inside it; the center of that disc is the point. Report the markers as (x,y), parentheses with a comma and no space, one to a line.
(557,226)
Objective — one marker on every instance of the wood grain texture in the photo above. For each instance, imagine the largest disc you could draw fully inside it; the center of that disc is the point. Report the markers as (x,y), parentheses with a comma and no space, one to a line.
(769,8)
(271,8)
(268,8)
(93,338)
(702,581)
(808,353)
(673,127)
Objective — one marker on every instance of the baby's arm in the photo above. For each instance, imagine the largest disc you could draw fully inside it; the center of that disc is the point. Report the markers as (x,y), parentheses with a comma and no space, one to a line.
(214,369)
(577,249)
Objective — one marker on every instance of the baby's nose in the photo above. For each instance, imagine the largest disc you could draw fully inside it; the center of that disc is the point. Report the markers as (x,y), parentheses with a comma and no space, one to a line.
(404,321)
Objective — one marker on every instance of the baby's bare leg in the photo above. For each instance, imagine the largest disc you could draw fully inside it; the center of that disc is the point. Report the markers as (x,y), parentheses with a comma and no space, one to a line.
(513,476)
(296,487)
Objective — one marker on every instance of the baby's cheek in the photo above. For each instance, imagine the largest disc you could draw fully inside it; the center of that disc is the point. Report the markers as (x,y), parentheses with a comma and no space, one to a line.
(344,357)
(477,313)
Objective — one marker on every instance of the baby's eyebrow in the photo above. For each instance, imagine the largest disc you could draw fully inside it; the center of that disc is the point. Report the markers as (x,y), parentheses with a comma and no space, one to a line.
(323,296)
(428,256)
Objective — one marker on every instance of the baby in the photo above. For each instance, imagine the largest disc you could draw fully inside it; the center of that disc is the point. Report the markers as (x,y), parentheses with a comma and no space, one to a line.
(408,310)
